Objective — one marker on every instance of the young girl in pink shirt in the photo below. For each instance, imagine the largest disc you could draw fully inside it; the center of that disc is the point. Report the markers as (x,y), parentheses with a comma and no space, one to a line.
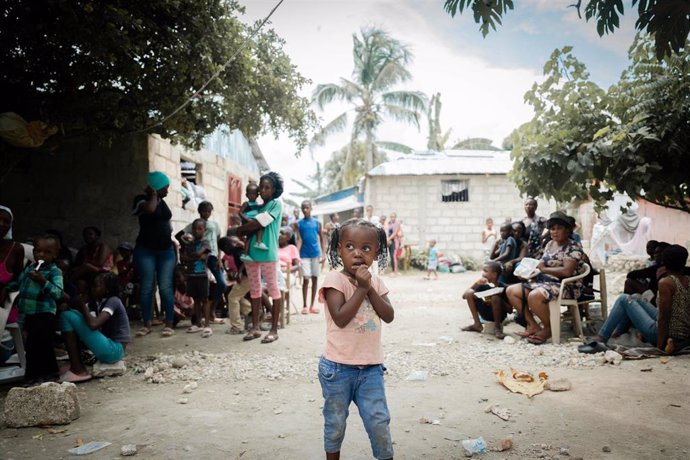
(351,368)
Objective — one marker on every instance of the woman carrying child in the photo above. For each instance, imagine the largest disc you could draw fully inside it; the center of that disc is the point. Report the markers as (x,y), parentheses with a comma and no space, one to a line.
(154,253)
(351,368)
(106,334)
(264,260)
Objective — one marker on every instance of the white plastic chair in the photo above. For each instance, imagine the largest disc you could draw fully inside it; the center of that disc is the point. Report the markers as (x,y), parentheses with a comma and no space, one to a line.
(571,304)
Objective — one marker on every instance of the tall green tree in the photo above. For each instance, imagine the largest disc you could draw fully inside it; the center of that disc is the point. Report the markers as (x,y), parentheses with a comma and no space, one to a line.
(108,68)
(347,165)
(315,185)
(668,21)
(380,64)
(586,142)
(475,143)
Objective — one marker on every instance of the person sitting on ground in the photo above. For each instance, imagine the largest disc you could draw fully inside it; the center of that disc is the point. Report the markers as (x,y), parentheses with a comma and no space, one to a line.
(647,279)
(432,261)
(184,304)
(494,308)
(248,210)
(106,335)
(93,258)
(505,249)
(668,327)
(562,258)
(193,254)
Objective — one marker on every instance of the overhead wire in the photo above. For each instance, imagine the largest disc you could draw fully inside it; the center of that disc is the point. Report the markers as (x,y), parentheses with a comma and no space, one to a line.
(215,75)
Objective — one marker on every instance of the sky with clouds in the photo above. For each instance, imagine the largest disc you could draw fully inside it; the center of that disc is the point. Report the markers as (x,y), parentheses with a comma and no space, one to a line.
(482,81)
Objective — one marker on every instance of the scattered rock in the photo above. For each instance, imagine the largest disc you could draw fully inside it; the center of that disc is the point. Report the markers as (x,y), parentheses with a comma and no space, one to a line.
(613,357)
(109,370)
(128,450)
(190,387)
(558,385)
(646,369)
(509,340)
(179,362)
(183,401)
(48,404)
(505,444)
(606,449)
(500,412)
(664,360)
(564,451)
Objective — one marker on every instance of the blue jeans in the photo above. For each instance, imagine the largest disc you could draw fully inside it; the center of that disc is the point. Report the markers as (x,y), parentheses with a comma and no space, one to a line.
(106,350)
(150,263)
(342,384)
(629,311)
(221,285)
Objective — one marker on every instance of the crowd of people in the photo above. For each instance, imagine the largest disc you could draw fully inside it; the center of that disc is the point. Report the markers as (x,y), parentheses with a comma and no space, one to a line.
(655,301)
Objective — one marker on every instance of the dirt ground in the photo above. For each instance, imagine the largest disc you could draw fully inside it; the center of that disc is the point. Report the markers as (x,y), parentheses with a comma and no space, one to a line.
(257,401)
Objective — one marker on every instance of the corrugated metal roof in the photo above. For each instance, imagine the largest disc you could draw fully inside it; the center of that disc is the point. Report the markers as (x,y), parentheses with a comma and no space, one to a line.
(448,162)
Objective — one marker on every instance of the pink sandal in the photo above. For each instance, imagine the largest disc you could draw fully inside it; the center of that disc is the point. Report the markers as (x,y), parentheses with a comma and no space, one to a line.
(71,377)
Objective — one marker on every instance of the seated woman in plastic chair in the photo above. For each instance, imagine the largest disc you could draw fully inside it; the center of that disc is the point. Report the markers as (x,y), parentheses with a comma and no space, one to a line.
(106,334)
(562,258)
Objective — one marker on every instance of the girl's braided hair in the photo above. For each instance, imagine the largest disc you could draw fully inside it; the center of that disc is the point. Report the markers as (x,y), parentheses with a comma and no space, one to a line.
(381,252)
(111,282)
(277,181)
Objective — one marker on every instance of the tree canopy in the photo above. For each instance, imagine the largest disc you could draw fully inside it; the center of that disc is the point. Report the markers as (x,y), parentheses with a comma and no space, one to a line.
(380,64)
(668,21)
(584,141)
(118,67)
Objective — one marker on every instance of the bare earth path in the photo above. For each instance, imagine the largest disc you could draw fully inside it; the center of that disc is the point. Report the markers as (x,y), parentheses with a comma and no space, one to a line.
(259,401)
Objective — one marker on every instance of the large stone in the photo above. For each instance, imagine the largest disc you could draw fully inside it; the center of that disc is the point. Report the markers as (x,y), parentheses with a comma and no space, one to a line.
(48,404)
(108,370)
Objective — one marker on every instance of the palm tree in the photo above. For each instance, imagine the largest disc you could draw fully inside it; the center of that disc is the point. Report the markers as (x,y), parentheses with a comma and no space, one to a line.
(436,140)
(380,64)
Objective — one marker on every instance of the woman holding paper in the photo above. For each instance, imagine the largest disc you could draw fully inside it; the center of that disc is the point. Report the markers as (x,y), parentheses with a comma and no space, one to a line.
(562,258)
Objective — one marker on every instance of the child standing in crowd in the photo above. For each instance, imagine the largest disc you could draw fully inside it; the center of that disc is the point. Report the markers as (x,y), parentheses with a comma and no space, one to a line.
(40,287)
(432,262)
(106,334)
(194,255)
(310,243)
(351,367)
(265,261)
(248,210)
(494,308)
(211,236)
(488,237)
(506,247)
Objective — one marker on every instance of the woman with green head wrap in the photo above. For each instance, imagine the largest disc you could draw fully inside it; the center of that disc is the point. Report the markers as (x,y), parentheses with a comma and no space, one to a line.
(154,253)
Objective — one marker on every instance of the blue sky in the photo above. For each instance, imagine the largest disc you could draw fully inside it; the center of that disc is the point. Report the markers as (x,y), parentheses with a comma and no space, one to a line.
(481,80)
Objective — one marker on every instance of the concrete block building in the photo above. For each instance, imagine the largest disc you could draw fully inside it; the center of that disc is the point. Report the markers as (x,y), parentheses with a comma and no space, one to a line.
(447,196)
(87,182)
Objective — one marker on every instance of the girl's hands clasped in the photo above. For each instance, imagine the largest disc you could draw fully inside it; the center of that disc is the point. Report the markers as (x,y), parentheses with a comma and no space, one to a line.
(363,277)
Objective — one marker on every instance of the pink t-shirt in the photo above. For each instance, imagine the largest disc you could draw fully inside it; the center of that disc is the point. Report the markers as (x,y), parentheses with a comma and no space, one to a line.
(358,343)
(287,254)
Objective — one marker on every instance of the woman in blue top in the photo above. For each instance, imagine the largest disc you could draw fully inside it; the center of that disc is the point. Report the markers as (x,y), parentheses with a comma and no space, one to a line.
(265,260)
